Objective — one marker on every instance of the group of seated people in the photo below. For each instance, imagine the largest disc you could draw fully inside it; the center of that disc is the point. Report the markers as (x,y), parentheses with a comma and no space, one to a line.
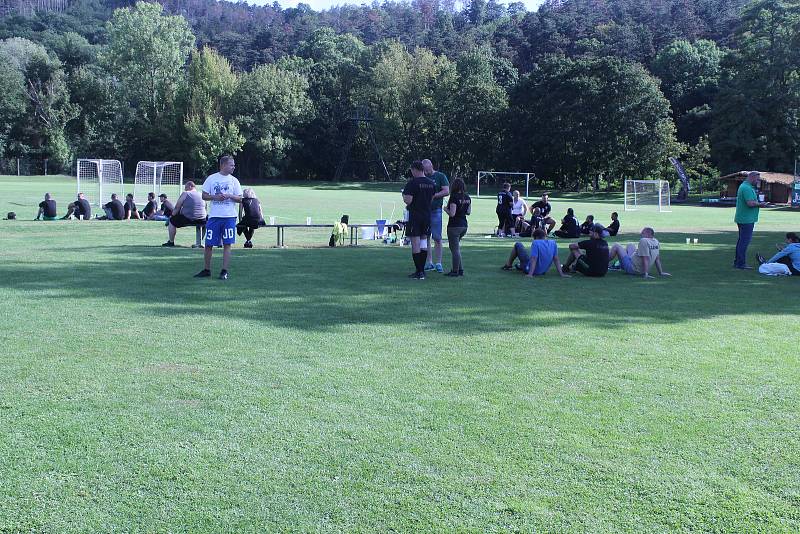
(590,257)
(114,210)
(516,224)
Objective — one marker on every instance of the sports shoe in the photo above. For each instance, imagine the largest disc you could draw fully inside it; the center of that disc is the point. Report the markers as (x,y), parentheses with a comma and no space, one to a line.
(429,267)
(414,275)
(743,267)
(507,268)
(421,276)
(439,268)
(168,244)
(461,272)
(223,274)
(761,259)
(452,274)
(248,244)
(205,273)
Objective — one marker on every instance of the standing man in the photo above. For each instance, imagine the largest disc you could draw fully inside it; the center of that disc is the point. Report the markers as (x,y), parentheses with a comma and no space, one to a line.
(224,192)
(434,259)
(746,217)
(544,211)
(503,210)
(418,195)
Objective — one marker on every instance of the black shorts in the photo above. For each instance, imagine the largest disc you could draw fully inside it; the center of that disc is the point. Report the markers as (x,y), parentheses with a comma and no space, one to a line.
(582,267)
(179,221)
(418,226)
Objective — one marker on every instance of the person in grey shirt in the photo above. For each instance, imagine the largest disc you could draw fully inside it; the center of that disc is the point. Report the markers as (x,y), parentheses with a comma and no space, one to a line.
(190,209)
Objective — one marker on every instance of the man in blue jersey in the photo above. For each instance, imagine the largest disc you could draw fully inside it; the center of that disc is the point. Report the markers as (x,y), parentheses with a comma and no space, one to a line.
(543,255)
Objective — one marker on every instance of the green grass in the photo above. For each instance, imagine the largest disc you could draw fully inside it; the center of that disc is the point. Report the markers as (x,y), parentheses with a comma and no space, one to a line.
(321,390)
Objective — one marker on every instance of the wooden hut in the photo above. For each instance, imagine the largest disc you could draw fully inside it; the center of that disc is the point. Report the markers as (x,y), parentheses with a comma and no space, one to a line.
(775,186)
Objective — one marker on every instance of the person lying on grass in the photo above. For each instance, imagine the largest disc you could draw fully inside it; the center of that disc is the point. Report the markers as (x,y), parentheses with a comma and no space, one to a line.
(637,259)
(543,254)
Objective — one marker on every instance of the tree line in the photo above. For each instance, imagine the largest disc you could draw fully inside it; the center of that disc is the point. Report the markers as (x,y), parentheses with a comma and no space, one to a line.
(585,93)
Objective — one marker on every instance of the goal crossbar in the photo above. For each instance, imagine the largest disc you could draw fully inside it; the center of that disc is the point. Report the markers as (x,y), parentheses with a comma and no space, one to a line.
(647,194)
(528,177)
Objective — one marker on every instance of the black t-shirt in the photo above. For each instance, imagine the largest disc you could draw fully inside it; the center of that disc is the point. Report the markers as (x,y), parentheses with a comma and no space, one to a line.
(82,207)
(585,227)
(596,255)
(252,209)
(167,208)
(462,203)
(422,190)
(117,209)
(544,207)
(537,222)
(570,226)
(613,228)
(150,208)
(48,207)
(130,206)
(504,201)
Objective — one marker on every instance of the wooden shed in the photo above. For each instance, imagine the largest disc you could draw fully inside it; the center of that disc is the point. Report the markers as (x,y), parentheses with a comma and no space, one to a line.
(775,186)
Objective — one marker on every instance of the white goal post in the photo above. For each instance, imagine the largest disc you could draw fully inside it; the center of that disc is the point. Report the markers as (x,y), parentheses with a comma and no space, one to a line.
(99,178)
(647,194)
(158,177)
(484,175)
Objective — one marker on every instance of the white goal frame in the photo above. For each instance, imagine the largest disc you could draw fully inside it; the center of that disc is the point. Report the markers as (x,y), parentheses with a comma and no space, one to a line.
(632,195)
(98,178)
(528,177)
(158,177)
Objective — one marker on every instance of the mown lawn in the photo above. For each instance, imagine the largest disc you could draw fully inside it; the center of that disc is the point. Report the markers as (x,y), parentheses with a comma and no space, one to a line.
(321,390)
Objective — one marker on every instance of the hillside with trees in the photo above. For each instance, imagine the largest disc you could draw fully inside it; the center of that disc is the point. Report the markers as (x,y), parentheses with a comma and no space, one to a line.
(584,92)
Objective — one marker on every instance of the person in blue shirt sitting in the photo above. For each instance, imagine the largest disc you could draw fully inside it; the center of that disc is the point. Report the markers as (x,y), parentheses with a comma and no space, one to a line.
(789,255)
(543,254)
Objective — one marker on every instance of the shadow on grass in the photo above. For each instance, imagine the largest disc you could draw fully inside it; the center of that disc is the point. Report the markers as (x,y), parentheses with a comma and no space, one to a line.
(331,289)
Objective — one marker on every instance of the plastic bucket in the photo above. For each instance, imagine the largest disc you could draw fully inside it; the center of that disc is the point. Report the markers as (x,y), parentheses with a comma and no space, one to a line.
(381,227)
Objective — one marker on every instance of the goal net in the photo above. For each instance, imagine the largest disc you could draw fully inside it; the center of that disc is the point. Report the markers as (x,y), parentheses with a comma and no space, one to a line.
(98,178)
(647,194)
(495,179)
(158,177)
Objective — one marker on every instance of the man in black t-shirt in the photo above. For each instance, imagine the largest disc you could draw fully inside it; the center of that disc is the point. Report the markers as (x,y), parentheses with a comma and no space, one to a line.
(417,195)
(613,228)
(151,207)
(115,211)
(130,208)
(594,260)
(544,211)
(80,209)
(165,211)
(505,200)
(47,209)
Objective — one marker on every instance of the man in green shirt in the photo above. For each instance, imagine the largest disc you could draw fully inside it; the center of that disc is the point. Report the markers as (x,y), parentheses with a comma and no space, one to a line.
(746,217)
(434,260)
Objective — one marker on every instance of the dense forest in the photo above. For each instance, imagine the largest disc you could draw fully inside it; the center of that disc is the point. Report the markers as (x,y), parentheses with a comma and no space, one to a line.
(585,93)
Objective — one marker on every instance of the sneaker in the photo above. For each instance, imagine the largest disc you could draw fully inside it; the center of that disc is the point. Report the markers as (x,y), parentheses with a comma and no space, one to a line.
(439,268)
(452,274)
(761,259)
(744,267)
(248,244)
(414,275)
(429,267)
(461,272)
(421,276)
(203,274)
(223,274)
(507,268)
(168,244)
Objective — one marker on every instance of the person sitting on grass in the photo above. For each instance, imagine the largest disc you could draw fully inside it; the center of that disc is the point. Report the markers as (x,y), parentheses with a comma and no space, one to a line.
(114,210)
(80,209)
(613,228)
(150,208)
(250,216)
(190,210)
(543,254)
(587,225)
(788,255)
(594,261)
(130,208)
(47,209)
(637,259)
(165,211)
(569,226)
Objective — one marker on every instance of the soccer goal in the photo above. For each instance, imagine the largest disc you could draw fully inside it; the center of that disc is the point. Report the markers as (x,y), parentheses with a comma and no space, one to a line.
(494,176)
(647,194)
(98,178)
(158,177)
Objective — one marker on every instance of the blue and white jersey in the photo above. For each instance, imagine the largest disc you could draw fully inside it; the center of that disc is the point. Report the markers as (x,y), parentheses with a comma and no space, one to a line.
(218,183)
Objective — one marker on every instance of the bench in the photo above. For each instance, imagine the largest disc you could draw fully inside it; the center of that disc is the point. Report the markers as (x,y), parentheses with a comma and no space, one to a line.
(280,231)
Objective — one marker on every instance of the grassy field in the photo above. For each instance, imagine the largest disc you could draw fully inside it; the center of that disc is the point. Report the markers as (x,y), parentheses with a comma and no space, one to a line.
(321,390)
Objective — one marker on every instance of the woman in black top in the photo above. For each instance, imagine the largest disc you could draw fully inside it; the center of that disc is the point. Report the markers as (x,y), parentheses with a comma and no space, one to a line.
(459,205)
(250,216)
(569,226)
